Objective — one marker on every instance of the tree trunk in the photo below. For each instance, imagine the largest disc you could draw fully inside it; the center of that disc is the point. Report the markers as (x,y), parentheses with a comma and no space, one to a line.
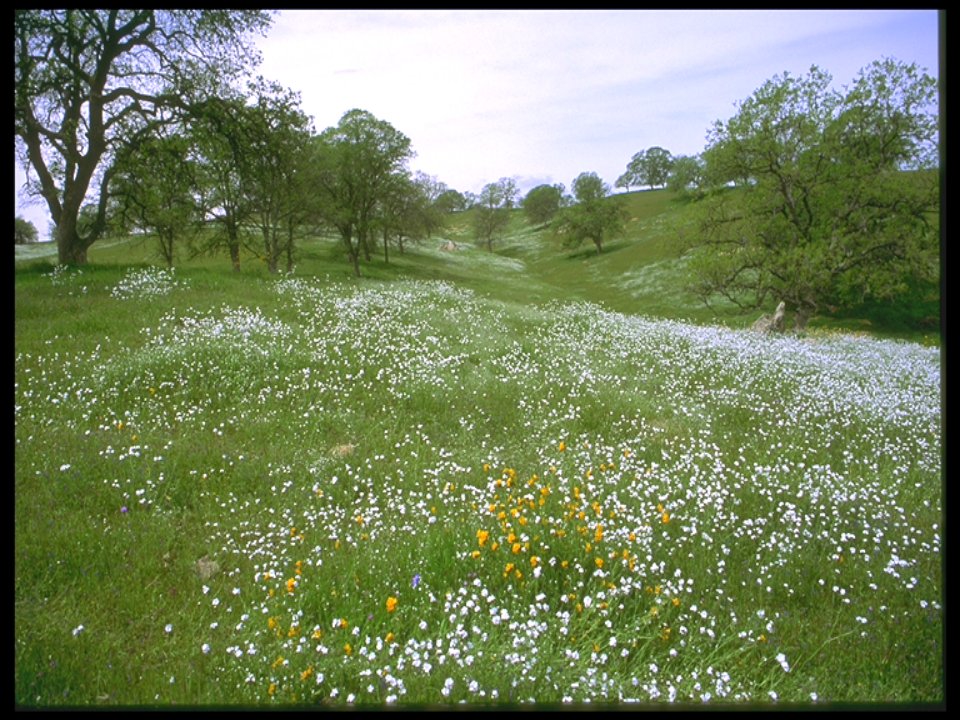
(71,248)
(233,243)
(235,256)
(290,248)
(386,252)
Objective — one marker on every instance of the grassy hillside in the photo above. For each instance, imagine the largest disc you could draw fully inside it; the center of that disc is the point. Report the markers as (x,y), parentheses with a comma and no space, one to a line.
(461,479)
(641,272)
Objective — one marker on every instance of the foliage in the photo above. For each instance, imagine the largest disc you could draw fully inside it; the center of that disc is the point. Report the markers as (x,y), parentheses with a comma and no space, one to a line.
(451,201)
(543,202)
(492,211)
(647,167)
(687,176)
(595,216)
(352,166)
(90,82)
(155,187)
(278,136)
(24,231)
(836,200)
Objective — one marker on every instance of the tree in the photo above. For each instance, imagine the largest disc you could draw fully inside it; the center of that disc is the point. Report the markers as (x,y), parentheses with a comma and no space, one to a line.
(687,176)
(90,82)
(353,167)
(648,167)
(837,195)
(155,187)
(543,202)
(221,132)
(276,171)
(24,231)
(492,213)
(595,216)
(451,201)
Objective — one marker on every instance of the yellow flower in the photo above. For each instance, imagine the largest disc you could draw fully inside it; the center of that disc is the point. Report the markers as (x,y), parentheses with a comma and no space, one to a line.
(599,562)
(291,585)
(272,623)
(534,561)
(391,604)
(562,446)
(598,534)
(475,554)
(676,602)
(278,662)
(482,537)
(508,569)
(495,546)
(347,649)
(272,689)
(390,637)
(665,518)
(517,547)
(486,467)
(306,673)
(317,634)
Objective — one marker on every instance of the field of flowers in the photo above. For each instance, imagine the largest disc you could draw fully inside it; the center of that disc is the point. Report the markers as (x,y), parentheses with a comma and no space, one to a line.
(412,494)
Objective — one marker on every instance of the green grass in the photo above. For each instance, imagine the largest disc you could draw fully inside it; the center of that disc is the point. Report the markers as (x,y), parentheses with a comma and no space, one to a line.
(673,511)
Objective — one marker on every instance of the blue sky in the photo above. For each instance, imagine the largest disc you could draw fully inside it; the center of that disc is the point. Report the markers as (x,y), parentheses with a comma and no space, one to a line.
(543,95)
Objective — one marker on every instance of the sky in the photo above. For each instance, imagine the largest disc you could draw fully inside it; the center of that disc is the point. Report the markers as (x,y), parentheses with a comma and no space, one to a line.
(543,95)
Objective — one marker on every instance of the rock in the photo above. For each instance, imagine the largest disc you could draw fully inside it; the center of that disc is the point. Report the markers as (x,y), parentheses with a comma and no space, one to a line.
(768,324)
(207,568)
(342,451)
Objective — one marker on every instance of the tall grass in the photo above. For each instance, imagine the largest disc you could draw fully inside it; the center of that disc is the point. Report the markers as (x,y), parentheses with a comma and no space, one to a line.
(304,491)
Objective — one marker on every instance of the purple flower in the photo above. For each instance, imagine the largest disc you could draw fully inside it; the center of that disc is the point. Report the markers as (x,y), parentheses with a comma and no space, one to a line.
(123,509)
(416,580)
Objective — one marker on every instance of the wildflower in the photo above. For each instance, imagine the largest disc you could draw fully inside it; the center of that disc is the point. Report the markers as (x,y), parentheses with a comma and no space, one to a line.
(78,629)
(272,689)
(665,518)
(517,547)
(291,585)
(416,580)
(562,446)
(390,637)
(205,648)
(598,561)
(168,628)
(347,649)
(391,604)
(306,673)
(124,509)
(482,537)
(475,554)
(598,534)
(534,561)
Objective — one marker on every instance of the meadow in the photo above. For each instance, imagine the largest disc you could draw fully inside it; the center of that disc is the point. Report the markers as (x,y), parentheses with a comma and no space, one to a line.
(453,483)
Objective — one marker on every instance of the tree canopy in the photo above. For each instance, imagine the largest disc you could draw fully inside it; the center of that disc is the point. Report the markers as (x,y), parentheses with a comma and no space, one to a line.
(24,231)
(594,216)
(837,192)
(353,166)
(90,82)
(543,202)
(492,212)
(649,167)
